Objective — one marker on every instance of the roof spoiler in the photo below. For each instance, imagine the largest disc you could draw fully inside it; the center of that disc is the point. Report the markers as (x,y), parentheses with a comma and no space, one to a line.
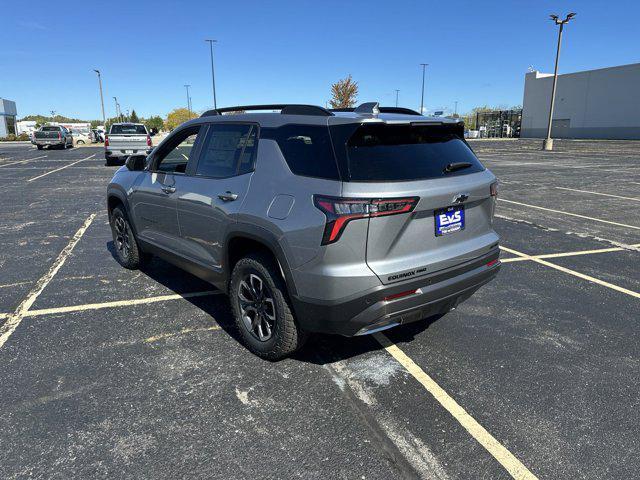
(371,107)
(285,109)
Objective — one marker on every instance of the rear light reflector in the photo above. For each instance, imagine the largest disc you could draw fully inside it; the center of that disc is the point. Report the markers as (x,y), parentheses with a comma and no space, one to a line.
(492,263)
(148,140)
(106,141)
(340,211)
(493,189)
(400,295)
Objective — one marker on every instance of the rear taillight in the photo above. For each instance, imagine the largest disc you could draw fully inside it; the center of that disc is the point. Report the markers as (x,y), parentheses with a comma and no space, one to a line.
(493,189)
(148,140)
(59,136)
(340,211)
(106,140)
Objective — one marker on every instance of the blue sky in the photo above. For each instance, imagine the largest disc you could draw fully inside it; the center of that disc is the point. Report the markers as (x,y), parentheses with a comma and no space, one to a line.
(291,51)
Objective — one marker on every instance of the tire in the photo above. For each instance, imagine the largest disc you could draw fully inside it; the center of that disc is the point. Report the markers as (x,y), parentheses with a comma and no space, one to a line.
(128,253)
(40,147)
(80,142)
(109,161)
(269,329)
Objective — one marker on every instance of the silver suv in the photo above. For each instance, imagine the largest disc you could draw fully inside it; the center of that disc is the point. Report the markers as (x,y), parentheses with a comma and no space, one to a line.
(346,221)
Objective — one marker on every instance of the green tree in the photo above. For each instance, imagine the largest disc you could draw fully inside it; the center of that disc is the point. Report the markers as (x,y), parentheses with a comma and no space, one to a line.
(134,117)
(344,93)
(154,123)
(176,117)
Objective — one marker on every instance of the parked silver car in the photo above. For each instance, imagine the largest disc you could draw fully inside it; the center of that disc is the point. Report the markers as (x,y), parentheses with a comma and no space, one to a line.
(125,139)
(312,220)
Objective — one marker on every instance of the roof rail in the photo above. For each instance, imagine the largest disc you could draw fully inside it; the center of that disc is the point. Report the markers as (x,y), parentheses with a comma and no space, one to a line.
(402,110)
(285,109)
(368,107)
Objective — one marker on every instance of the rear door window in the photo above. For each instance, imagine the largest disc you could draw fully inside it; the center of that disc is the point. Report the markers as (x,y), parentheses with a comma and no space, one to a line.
(387,153)
(228,150)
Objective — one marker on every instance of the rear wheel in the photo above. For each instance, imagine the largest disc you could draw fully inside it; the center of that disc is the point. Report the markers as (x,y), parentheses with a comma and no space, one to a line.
(261,309)
(128,253)
(40,147)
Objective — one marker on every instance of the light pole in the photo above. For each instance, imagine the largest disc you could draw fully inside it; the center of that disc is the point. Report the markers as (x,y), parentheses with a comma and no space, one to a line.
(53,116)
(213,73)
(548,142)
(104,119)
(188,101)
(397,92)
(424,67)
(117,114)
(455,110)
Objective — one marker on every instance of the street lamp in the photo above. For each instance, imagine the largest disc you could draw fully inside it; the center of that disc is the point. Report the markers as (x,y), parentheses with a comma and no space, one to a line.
(424,66)
(548,142)
(117,109)
(213,73)
(104,119)
(397,91)
(188,100)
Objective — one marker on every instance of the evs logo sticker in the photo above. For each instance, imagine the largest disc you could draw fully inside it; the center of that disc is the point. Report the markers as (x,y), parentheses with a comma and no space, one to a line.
(447,219)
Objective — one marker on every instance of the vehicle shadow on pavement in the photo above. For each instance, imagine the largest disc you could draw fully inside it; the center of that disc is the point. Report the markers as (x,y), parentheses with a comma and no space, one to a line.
(320,349)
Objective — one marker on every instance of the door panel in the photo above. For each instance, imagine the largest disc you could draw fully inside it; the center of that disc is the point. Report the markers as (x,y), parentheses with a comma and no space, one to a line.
(204,217)
(154,209)
(211,198)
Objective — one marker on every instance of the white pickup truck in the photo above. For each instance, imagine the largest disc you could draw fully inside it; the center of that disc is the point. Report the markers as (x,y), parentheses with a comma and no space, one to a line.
(125,139)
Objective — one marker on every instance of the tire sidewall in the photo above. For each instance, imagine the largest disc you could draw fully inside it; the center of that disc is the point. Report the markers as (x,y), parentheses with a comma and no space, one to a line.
(130,260)
(251,265)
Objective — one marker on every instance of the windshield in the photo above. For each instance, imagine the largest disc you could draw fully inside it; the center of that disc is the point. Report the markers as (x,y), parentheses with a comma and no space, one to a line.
(128,130)
(385,153)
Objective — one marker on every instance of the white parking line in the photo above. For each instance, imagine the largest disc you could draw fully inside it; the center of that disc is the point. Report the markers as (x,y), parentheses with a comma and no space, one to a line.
(570,214)
(22,161)
(508,461)
(598,193)
(573,272)
(61,168)
(20,312)
(567,254)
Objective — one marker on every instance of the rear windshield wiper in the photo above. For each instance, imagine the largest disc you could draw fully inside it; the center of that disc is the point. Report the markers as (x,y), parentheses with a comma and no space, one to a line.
(452,167)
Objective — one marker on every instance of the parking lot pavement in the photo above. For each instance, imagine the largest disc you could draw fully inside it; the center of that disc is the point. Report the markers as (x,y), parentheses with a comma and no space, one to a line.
(107,372)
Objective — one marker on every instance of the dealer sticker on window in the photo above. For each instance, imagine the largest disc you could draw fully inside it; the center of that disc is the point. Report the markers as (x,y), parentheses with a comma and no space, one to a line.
(449,220)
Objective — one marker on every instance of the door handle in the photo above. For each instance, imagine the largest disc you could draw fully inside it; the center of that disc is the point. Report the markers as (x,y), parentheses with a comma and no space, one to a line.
(228,196)
(168,189)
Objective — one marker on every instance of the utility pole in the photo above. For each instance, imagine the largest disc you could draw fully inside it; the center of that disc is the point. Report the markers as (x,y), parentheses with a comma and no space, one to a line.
(548,142)
(455,110)
(424,67)
(104,119)
(188,101)
(116,102)
(213,73)
(397,91)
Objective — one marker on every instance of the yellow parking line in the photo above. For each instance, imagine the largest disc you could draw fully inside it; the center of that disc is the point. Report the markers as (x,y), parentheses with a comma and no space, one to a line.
(118,303)
(565,254)
(574,273)
(61,168)
(20,312)
(570,214)
(508,461)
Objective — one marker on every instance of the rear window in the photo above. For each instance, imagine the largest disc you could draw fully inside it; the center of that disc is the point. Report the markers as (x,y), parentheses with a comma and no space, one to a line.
(128,130)
(306,148)
(387,153)
(51,129)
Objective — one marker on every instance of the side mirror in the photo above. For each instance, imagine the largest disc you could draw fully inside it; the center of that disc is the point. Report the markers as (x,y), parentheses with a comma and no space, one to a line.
(136,163)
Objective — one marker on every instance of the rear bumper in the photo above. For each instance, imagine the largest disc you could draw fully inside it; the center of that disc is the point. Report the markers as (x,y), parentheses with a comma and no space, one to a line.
(435,294)
(122,152)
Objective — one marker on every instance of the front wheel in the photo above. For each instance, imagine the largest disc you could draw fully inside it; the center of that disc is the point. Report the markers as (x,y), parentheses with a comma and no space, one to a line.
(261,308)
(128,254)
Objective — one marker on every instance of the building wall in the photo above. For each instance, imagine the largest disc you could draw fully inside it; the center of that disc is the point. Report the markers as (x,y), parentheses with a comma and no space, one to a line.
(7,109)
(602,103)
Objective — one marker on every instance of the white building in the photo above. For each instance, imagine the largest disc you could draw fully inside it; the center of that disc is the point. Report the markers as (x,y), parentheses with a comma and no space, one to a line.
(8,114)
(26,126)
(601,103)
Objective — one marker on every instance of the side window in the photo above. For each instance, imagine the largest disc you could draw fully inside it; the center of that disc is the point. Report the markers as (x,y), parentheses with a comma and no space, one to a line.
(307,150)
(174,157)
(227,151)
